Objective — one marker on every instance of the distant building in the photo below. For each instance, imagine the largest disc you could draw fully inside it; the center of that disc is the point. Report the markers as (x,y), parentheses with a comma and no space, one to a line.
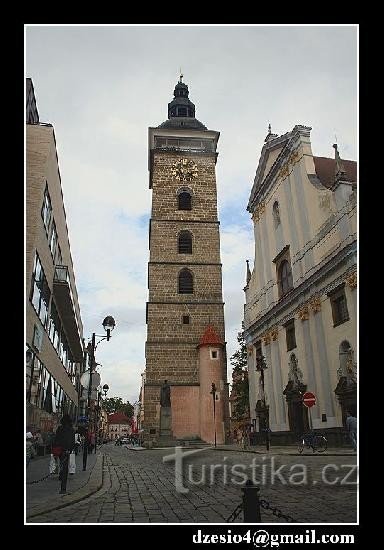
(300,312)
(53,325)
(119,425)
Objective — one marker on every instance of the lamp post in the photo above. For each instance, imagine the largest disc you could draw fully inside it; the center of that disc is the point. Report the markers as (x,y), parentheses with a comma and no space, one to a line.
(213,392)
(108,325)
(261,365)
(105,390)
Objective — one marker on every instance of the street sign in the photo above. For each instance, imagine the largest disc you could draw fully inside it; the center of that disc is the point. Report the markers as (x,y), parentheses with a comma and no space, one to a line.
(309,399)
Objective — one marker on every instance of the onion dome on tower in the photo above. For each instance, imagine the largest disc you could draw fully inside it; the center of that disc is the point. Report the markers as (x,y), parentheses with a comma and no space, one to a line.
(181,110)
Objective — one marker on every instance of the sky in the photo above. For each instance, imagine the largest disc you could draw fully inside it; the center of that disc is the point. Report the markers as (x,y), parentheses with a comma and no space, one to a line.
(102,87)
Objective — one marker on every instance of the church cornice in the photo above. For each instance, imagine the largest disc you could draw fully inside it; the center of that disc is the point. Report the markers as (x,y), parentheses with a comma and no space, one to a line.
(272,315)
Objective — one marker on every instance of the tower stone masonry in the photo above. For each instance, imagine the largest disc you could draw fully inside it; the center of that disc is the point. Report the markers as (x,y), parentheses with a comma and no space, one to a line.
(184,280)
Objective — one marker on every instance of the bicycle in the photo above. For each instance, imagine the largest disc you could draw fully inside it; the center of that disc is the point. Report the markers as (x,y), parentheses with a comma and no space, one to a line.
(314,441)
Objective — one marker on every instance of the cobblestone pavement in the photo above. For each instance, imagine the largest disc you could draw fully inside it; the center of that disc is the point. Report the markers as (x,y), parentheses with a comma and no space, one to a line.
(139,487)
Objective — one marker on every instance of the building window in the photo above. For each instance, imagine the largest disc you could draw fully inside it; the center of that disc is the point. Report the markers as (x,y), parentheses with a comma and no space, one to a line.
(40,293)
(276,214)
(185,242)
(290,335)
(185,201)
(284,278)
(214,354)
(185,282)
(53,241)
(186,320)
(339,306)
(59,257)
(46,210)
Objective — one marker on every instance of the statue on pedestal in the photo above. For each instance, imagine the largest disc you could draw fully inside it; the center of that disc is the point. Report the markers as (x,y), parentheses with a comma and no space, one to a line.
(165,394)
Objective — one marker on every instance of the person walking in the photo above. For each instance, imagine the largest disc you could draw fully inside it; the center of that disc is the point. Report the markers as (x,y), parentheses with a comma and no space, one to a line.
(77,443)
(65,440)
(351,424)
(30,448)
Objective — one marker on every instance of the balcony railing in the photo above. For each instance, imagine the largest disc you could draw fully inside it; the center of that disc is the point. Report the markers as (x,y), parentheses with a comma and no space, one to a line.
(66,305)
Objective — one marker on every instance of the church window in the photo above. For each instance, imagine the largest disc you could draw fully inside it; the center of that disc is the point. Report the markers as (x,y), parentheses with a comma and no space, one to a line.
(186,320)
(285,278)
(276,214)
(339,306)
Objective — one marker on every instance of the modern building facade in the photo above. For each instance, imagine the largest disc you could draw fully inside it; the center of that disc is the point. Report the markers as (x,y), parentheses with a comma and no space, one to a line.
(300,312)
(54,343)
(185,315)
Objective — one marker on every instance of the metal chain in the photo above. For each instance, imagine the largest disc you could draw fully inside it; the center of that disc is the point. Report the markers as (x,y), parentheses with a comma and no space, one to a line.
(275,511)
(42,479)
(235,514)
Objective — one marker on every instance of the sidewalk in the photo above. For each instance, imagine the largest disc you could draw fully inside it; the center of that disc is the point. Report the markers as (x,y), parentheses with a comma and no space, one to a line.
(44,495)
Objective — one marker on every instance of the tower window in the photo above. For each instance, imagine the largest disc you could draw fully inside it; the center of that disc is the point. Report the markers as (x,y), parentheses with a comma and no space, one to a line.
(185,201)
(214,354)
(185,242)
(185,282)
(186,320)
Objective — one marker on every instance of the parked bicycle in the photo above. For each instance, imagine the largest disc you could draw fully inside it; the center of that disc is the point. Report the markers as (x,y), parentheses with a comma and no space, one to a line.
(314,441)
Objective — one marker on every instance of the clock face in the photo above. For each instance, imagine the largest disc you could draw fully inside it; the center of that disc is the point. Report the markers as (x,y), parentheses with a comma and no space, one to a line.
(184,170)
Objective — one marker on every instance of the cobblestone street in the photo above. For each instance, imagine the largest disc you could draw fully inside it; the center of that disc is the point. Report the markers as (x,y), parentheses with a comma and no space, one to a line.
(139,487)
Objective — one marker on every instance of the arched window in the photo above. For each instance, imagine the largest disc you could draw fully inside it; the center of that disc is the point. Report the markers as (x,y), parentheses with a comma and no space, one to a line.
(185,201)
(185,242)
(185,282)
(285,277)
(276,214)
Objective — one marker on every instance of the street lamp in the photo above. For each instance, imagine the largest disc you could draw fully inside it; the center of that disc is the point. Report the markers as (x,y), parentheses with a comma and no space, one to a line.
(213,392)
(261,365)
(108,325)
(105,389)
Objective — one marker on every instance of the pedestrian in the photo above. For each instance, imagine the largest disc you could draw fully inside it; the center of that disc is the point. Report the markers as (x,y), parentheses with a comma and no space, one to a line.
(64,442)
(351,424)
(39,443)
(30,447)
(77,443)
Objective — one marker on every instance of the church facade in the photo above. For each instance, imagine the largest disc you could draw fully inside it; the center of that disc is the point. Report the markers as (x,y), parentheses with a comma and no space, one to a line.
(185,347)
(300,312)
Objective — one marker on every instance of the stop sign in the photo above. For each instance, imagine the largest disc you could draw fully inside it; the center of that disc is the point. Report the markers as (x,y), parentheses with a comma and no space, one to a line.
(309,399)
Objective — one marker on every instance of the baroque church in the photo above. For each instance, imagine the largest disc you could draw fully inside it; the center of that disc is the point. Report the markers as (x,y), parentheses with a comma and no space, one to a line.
(185,390)
(301,297)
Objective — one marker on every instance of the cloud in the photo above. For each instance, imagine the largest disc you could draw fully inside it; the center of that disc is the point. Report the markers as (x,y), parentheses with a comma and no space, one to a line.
(102,87)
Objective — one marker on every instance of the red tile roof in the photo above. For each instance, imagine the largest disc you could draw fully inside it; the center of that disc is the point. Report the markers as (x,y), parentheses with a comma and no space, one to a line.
(210,337)
(118,418)
(325,170)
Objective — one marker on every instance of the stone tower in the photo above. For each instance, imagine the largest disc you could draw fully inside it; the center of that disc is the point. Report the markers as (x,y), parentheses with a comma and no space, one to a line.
(184,276)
